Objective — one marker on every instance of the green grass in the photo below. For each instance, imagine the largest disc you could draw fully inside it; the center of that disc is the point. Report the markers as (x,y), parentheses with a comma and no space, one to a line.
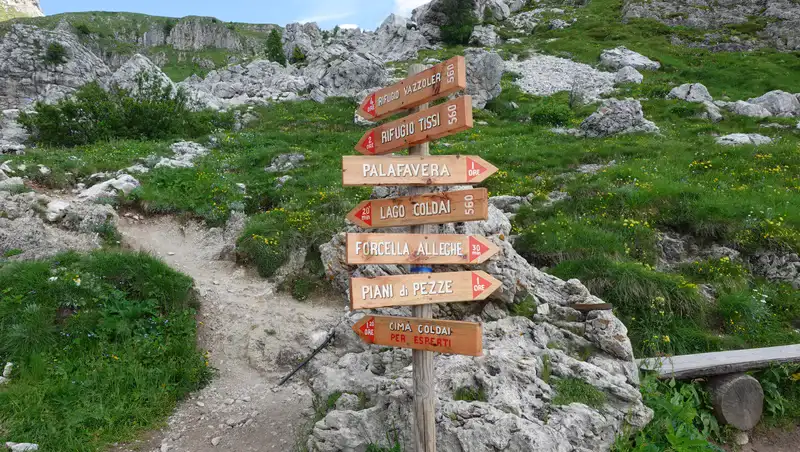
(573,390)
(470,394)
(103,346)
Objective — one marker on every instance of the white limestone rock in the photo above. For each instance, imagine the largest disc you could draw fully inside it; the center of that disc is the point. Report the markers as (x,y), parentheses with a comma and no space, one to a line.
(738,139)
(778,103)
(620,57)
(691,92)
(628,74)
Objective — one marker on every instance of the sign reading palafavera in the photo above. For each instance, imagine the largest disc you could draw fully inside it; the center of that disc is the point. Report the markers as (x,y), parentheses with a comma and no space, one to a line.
(434,83)
(443,336)
(415,170)
(432,208)
(429,124)
(417,289)
(365,249)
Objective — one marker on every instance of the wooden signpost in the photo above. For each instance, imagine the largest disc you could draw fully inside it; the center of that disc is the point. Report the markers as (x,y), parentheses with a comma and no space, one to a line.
(415,170)
(434,83)
(442,336)
(432,208)
(422,288)
(426,125)
(418,249)
(422,209)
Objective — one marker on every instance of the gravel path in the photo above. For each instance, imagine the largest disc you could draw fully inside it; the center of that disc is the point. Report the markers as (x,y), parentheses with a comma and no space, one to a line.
(247,327)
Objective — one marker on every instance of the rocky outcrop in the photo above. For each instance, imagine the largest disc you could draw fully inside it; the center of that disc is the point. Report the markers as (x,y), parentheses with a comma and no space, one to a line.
(484,73)
(139,68)
(543,75)
(28,74)
(738,139)
(779,267)
(518,374)
(307,37)
(394,40)
(691,92)
(10,9)
(615,117)
(431,16)
(34,226)
(782,29)
(621,57)
(109,189)
(745,109)
(197,33)
(337,71)
(255,83)
(484,36)
(12,134)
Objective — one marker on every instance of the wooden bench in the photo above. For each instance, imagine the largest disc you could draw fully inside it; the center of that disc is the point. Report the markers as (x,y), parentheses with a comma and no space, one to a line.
(738,398)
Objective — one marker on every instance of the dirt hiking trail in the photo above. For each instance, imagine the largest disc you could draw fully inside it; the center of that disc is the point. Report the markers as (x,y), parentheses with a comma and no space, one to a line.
(249,328)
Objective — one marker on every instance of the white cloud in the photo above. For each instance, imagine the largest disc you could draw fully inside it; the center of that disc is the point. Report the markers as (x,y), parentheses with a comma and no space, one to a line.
(325,17)
(404,7)
(348,26)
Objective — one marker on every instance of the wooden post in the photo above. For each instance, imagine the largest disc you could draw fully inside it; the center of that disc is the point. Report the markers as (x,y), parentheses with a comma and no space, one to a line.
(424,383)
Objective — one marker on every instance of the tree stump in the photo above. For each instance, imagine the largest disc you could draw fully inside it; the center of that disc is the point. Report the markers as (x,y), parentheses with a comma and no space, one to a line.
(738,400)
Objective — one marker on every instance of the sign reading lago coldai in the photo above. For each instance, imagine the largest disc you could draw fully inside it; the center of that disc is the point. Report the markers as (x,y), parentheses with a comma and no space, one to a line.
(434,83)
(429,124)
(417,289)
(443,336)
(415,170)
(432,208)
(443,249)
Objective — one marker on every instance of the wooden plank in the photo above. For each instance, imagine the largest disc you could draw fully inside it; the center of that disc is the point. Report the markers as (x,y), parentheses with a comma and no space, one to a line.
(421,288)
(720,363)
(426,125)
(442,336)
(433,83)
(358,171)
(428,249)
(587,307)
(432,208)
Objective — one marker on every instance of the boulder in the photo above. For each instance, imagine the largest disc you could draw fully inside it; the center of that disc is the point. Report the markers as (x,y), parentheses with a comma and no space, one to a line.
(712,112)
(778,267)
(691,92)
(185,154)
(778,103)
(484,73)
(137,70)
(110,188)
(394,40)
(484,36)
(56,210)
(616,117)
(747,109)
(628,74)
(738,139)
(27,75)
(11,183)
(285,162)
(559,24)
(337,71)
(431,16)
(12,135)
(620,57)
(525,22)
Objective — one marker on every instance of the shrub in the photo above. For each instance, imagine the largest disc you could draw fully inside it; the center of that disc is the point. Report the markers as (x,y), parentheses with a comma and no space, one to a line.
(298,56)
(151,111)
(55,54)
(470,394)
(275,47)
(461,21)
(83,29)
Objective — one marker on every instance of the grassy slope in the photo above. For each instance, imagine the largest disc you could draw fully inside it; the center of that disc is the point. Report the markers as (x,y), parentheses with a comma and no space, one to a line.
(103,346)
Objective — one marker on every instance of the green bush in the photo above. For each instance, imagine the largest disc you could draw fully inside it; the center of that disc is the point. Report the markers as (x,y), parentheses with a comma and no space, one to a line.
(151,111)
(83,29)
(574,390)
(298,56)
(461,21)
(55,54)
(470,394)
(274,47)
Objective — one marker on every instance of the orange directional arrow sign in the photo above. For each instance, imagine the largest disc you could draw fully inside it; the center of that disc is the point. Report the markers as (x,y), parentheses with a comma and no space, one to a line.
(418,249)
(415,170)
(412,290)
(421,127)
(434,83)
(432,208)
(443,336)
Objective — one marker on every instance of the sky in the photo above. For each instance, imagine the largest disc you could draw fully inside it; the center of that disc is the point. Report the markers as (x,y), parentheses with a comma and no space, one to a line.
(366,14)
